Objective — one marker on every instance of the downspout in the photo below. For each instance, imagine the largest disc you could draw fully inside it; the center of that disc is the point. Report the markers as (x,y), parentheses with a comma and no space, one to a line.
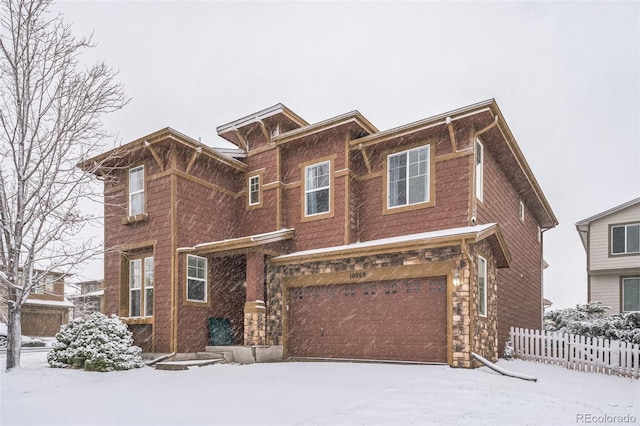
(542,231)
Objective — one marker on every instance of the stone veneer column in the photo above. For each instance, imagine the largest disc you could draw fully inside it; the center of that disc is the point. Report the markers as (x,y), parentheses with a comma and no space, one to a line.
(461,318)
(255,312)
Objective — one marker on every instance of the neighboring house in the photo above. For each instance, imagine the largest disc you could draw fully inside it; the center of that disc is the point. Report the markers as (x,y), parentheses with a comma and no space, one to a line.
(89,300)
(46,309)
(329,240)
(612,242)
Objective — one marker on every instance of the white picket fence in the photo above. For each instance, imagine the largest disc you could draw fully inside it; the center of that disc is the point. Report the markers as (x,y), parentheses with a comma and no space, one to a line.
(577,352)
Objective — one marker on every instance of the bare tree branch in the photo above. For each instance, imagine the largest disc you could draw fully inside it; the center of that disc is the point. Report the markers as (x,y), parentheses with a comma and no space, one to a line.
(50,120)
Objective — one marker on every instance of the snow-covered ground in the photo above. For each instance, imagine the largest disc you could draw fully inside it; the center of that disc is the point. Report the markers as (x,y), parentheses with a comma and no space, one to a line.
(310,393)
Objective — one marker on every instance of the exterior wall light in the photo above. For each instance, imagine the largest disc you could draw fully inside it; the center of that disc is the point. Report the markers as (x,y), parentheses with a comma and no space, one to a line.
(456,277)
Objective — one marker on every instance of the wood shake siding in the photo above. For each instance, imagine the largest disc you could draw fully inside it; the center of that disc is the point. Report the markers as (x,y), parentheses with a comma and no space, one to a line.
(520,292)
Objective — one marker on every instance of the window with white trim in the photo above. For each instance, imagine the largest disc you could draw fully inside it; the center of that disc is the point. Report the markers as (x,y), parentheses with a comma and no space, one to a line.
(482,286)
(479,169)
(141,287)
(631,294)
(521,211)
(136,190)
(408,177)
(625,239)
(254,190)
(196,278)
(317,187)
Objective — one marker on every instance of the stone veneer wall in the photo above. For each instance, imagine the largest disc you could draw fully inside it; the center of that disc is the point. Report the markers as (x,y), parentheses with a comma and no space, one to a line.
(254,324)
(485,330)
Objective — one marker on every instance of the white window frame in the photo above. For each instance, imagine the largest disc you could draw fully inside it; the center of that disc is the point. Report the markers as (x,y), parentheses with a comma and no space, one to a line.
(148,285)
(626,240)
(308,191)
(145,282)
(137,192)
(197,278)
(252,191)
(521,211)
(622,309)
(479,162)
(135,285)
(482,285)
(407,177)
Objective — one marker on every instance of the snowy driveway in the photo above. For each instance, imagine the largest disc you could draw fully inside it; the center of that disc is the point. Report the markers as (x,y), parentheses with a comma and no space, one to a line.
(310,394)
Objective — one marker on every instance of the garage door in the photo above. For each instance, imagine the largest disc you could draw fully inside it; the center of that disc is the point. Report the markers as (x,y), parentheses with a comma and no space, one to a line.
(41,324)
(387,320)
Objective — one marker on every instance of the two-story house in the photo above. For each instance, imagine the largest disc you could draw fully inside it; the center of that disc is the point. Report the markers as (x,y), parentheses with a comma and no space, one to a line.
(611,240)
(327,240)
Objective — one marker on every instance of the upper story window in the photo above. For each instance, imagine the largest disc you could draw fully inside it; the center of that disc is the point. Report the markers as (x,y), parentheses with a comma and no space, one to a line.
(317,187)
(631,294)
(521,211)
(482,286)
(479,169)
(136,190)
(408,177)
(254,190)
(196,278)
(625,239)
(141,283)
(46,287)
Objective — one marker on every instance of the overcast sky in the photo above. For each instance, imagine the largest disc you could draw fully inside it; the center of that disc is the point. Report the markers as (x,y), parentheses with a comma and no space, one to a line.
(565,75)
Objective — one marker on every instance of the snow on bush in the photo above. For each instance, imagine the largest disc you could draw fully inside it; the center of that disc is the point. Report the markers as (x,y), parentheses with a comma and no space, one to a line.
(96,343)
(30,342)
(590,320)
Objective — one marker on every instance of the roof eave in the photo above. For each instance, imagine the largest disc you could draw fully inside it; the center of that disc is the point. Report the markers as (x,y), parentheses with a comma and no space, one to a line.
(349,117)
(92,165)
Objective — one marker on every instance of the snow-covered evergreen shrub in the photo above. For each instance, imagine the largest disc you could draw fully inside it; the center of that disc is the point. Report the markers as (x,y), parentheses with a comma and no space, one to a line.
(97,343)
(30,342)
(589,320)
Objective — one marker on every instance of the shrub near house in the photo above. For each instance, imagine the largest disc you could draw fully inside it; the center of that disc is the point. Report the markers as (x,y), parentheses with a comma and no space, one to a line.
(589,320)
(98,343)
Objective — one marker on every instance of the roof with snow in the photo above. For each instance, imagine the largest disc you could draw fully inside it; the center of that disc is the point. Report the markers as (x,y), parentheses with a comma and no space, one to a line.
(241,243)
(442,237)
(54,303)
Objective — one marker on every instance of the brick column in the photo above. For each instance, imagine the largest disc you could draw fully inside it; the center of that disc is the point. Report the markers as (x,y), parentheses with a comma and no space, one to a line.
(255,312)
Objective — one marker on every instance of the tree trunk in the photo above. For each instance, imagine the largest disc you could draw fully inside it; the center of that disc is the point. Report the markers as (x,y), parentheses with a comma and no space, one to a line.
(14,336)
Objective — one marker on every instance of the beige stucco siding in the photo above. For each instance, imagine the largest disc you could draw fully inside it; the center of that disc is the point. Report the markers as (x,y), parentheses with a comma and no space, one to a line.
(606,289)
(599,241)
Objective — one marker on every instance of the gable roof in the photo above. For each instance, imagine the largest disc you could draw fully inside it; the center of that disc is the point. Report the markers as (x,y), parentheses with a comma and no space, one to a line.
(583,225)
(93,164)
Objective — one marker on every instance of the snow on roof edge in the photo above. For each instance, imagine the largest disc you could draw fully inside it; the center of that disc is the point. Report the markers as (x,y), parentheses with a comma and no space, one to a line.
(452,232)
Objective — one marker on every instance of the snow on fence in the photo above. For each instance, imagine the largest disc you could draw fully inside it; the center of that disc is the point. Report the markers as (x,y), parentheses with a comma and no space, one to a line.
(591,354)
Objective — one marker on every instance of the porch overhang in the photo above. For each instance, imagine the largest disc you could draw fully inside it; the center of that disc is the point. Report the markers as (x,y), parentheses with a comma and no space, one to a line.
(442,238)
(241,244)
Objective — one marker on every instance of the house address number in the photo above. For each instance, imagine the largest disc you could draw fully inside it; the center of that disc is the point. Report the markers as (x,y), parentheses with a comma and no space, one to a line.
(357,275)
